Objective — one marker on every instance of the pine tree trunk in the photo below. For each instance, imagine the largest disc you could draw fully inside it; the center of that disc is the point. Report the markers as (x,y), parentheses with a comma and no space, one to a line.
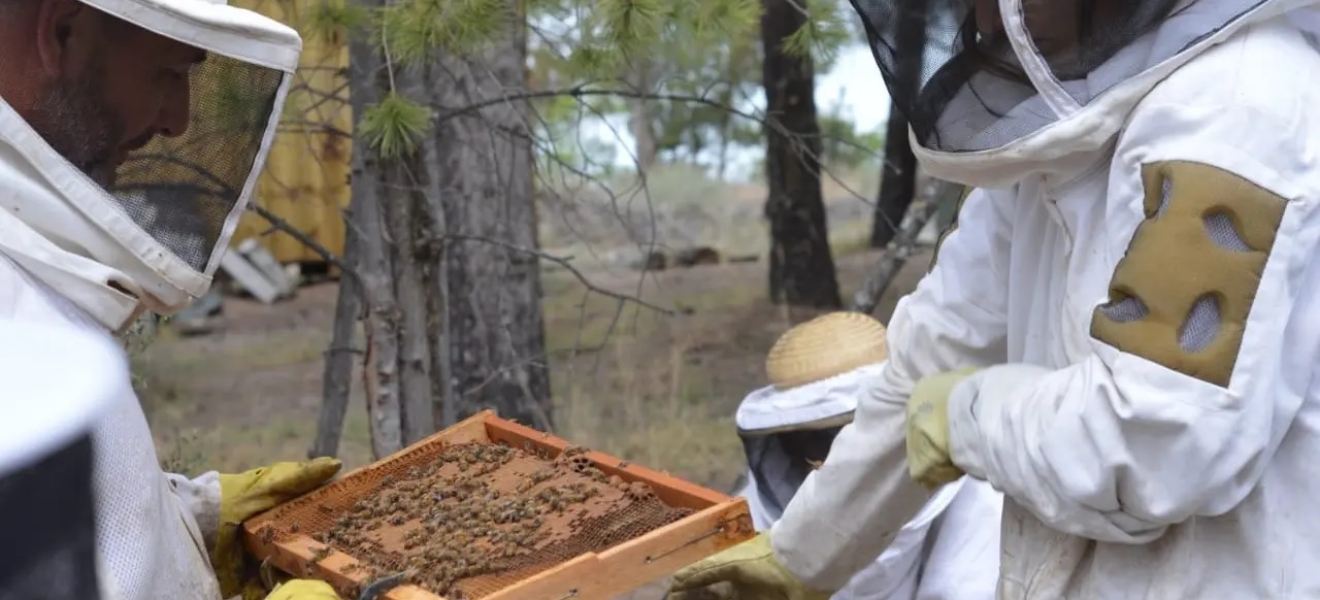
(384,410)
(496,335)
(406,205)
(801,267)
(640,120)
(898,174)
(336,377)
(898,181)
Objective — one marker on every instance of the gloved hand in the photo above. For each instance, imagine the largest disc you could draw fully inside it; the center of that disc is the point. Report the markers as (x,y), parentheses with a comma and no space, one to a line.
(750,568)
(304,589)
(244,495)
(929,462)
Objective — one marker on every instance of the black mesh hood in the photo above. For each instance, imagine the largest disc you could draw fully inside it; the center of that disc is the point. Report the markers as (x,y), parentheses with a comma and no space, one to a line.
(50,526)
(969,78)
(780,462)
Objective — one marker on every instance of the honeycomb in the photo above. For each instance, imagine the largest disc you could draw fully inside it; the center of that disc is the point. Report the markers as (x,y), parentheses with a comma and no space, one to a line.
(471,519)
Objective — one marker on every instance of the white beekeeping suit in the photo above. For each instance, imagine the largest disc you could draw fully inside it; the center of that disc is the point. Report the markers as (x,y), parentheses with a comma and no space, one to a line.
(1136,277)
(818,370)
(93,243)
(46,456)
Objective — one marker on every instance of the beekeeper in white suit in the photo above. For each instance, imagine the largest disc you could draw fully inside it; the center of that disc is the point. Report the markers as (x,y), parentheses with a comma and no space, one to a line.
(817,372)
(131,133)
(1121,333)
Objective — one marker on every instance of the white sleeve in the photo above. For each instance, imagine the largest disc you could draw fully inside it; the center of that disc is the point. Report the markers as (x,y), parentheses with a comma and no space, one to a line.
(1192,384)
(200,497)
(849,511)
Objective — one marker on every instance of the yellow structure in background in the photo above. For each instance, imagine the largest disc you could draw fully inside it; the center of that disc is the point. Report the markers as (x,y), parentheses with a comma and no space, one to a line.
(306,180)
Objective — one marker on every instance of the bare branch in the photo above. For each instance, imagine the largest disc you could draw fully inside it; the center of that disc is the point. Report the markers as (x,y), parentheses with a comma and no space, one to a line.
(563,261)
(922,211)
(279,223)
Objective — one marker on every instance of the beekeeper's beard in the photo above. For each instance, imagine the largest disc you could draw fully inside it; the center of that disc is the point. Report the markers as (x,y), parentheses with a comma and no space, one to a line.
(74,117)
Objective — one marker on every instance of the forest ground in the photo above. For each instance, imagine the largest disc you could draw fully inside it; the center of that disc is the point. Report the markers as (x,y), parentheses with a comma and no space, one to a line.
(657,390)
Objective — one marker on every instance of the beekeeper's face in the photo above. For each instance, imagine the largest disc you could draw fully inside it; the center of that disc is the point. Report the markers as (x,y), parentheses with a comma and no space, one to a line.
(1057,27)
(1051,23)
(101,88)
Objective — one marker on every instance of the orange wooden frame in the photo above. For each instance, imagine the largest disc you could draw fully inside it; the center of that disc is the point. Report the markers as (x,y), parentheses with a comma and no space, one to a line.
(718,523)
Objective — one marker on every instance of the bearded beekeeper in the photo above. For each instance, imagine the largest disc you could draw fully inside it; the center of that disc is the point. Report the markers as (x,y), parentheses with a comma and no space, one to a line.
(817,371)
(1122,330)
(131,133)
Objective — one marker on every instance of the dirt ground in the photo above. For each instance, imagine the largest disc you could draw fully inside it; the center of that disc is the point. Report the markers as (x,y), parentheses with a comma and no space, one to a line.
(657,390)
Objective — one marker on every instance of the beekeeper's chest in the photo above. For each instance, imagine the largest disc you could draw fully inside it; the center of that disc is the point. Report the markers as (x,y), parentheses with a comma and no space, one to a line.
(1062,255)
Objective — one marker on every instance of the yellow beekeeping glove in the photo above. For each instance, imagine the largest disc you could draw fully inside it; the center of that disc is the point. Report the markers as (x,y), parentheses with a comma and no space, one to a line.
(750,569)
(303,589)
(244,495)
(928,457)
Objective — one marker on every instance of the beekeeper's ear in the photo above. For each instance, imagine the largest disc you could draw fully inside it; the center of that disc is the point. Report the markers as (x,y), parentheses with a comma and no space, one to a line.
(57,23)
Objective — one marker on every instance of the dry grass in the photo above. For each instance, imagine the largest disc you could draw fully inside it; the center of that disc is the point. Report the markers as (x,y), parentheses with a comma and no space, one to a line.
(654,389)
(612,223)
(658,390)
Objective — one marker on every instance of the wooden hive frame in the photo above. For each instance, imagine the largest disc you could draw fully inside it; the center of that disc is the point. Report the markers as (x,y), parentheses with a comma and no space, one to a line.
(718,522)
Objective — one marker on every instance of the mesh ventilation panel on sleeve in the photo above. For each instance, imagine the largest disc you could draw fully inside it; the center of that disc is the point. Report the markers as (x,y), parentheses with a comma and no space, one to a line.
(182,190)
(956,77)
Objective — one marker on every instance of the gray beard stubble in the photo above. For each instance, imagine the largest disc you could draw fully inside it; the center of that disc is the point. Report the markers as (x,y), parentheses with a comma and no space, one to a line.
(73,118)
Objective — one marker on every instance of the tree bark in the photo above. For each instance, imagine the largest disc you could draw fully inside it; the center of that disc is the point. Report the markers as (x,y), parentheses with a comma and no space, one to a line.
(641,122)
(405,207)
(801,267)
(898,175)
(433,228)
(898,181)
(367,79)
(496,335)
(935,194)
(337,377)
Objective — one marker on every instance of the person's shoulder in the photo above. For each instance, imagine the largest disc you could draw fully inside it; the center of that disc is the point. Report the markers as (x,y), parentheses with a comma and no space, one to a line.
(1249,106)
(1269,71)
(23,298)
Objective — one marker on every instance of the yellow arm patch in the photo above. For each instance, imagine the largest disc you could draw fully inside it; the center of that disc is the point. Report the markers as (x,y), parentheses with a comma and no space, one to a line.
(1181,295)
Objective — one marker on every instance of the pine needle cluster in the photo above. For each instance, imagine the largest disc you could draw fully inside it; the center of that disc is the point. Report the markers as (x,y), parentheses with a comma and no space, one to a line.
(586,42)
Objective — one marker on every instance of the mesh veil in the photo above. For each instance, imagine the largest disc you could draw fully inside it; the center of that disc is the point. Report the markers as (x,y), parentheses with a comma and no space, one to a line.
(185,191)
(952,69)
(781,461)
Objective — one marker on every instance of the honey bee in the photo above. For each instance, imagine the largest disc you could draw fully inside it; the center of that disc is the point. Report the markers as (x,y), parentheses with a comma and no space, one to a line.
(322,552)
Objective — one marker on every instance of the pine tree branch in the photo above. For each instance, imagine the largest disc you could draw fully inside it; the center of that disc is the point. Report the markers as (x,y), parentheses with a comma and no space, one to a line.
(580,92)
(563,261)
(280,224)
(584,92)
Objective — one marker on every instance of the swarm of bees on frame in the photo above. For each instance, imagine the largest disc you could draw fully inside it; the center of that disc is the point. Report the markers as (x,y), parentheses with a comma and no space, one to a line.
(455,525)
